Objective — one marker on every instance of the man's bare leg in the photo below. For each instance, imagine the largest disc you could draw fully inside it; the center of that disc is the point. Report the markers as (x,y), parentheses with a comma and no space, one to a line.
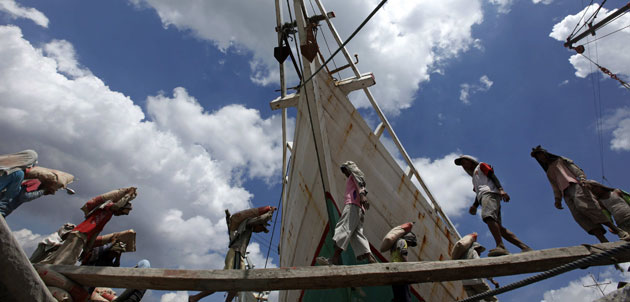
(495,230)
(511,237)
(230,296)
(599,233)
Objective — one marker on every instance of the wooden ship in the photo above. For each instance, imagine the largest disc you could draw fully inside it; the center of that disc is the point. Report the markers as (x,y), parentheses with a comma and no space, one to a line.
(329,131)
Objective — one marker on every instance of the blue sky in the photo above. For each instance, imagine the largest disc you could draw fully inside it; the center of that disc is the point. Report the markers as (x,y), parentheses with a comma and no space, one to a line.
(174,98)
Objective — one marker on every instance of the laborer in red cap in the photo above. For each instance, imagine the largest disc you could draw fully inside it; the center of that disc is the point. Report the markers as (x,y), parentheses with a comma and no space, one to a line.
(489,194)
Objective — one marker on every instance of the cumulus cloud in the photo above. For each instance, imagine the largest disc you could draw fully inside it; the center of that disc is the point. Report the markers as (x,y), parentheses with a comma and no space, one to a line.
(402,44)
(217,131)
(619,123)
(545,2)
(466,90)
(576,291)
(28,240)
(175,297)
(504,6)
(612,52)
(17,11)
(449,184)
(63,53)
(78,124)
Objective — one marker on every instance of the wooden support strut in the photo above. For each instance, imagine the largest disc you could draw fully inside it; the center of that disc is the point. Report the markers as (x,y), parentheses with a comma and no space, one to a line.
(322,277)
(352,84)
(18,279)
(346,86)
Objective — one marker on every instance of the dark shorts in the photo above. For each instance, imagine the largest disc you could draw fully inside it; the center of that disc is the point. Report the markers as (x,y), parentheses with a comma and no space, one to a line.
(490,206)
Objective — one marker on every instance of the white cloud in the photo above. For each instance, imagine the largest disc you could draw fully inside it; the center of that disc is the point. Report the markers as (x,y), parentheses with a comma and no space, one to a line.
(28,240)
(17,11)
(78,124)
(402,44)
(563,83)
(65,56)
(619,123)
(546,2)
(238,142)
(576,291)
(466,90)
(449,184)
(612,52)
(504,6)
(175,297)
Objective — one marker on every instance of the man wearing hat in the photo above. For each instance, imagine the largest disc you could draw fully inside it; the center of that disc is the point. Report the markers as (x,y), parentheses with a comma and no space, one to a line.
(568,180)
(489,194)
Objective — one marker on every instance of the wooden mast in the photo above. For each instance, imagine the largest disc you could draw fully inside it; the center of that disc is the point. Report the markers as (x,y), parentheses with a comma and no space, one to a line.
(309,95)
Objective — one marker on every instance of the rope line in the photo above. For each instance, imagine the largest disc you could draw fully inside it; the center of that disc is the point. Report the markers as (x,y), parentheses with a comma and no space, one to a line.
(608,34)
(609,73)
(580,263)
(347,41)
(578,23)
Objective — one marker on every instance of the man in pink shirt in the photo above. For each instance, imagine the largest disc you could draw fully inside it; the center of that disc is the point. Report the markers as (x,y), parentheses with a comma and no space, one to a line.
(567,180)
(349,228)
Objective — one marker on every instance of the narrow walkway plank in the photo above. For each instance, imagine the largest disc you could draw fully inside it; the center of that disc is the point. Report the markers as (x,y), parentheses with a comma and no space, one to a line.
(320,277)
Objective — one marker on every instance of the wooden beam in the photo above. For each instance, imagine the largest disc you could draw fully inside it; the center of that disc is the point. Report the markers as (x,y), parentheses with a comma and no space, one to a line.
(379,130)
(321,277)
(290,100)
(18,279)
(352,84)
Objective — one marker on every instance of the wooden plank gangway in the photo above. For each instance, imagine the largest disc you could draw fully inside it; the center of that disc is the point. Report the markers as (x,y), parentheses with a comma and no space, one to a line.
(323,277)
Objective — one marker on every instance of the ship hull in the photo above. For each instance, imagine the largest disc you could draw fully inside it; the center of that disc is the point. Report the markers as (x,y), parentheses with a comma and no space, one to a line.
(341,135)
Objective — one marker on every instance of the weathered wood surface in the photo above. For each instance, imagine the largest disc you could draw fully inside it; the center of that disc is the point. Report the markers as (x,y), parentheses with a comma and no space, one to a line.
(352,84)
(321,277)
(18,279)
(286,101)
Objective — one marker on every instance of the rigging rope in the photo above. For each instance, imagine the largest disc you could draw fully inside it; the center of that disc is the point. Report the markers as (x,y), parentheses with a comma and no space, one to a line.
(608,34)
(580,263)
(324,36)
(609,73)
(578,23)
(347,41)
(597,99)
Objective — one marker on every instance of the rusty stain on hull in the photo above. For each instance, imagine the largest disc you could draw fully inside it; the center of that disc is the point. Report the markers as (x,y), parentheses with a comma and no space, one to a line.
(402,180)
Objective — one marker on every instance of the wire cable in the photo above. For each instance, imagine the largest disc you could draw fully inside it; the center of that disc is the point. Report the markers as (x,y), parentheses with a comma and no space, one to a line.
(580,263)
(376,9)
(608,34)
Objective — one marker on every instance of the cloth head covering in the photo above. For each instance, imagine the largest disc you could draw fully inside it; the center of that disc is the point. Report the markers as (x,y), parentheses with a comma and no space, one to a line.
(458,161)
(411,239)
(354,170)
(10,163)
(57,237)
(550,157)
(478,247)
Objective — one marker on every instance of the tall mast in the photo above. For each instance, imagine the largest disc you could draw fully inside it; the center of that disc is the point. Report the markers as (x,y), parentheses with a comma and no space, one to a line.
(283,93)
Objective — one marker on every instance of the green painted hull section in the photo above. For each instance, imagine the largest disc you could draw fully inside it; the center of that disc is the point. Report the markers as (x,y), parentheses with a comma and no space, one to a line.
(367,294)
